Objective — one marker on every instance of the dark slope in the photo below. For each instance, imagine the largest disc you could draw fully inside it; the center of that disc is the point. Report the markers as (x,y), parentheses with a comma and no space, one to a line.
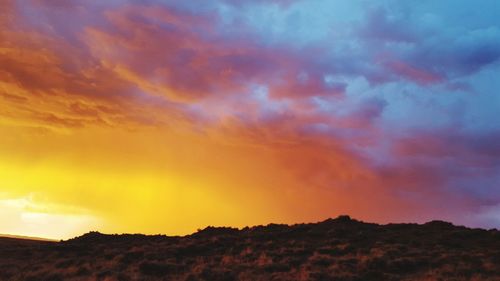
(335,249)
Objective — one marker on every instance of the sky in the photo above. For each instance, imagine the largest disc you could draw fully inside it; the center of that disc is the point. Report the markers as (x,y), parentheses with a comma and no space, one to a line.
(161,116)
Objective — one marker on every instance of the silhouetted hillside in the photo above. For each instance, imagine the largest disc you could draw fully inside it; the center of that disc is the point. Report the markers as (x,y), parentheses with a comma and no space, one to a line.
(335,249)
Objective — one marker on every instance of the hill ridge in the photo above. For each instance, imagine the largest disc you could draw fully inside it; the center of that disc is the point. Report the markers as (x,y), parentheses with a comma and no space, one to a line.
(215,229)
(333,249)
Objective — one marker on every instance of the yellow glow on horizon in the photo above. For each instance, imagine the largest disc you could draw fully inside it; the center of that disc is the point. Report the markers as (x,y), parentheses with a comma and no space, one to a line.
(25,216)
(151,181)
(132,203)
(127,186)
(170,180)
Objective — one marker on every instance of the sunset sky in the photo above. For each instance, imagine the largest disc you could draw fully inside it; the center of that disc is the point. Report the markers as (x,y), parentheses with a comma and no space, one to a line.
(162,116)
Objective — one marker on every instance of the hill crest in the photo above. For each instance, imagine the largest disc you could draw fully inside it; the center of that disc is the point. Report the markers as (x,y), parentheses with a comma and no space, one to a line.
(334,249)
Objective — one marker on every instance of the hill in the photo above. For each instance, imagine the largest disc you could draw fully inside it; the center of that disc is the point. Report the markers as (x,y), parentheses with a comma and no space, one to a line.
(335,249)
(22,237)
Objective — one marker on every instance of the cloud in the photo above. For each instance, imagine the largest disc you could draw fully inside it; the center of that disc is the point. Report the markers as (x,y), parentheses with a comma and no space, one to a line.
(379,26)
(372,110)
(462,55)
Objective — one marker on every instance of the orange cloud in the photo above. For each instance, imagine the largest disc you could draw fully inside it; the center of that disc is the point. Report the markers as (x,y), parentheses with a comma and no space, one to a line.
(152,120)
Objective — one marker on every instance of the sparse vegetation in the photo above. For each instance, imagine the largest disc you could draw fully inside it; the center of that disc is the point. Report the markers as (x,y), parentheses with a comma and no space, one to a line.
(335,249)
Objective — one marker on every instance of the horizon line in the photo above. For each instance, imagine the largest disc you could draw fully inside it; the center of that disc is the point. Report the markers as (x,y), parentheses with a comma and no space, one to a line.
(37,238)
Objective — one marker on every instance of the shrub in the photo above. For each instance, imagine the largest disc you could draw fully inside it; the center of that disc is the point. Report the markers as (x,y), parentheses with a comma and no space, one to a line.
(104,273)
(130,257)
(83,271)
(277,267)
(322,262)
(156,269)
(223,275)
